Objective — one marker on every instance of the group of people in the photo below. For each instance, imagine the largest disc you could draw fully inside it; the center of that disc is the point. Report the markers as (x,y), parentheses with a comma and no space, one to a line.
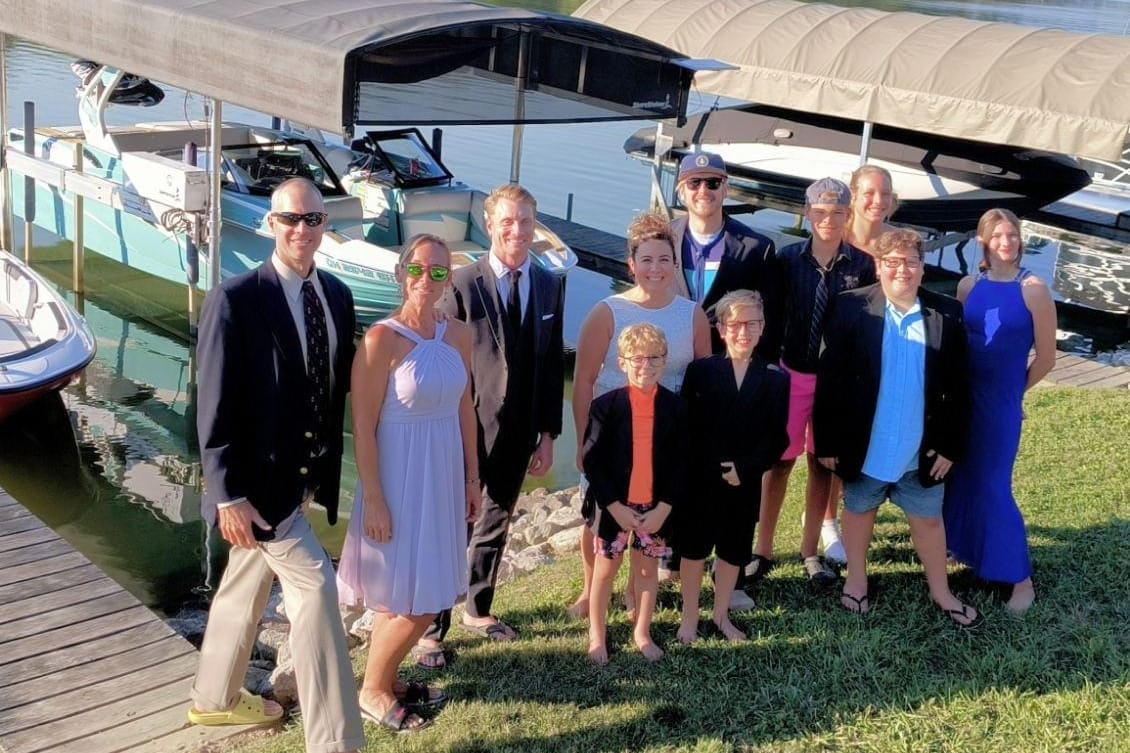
(694,393)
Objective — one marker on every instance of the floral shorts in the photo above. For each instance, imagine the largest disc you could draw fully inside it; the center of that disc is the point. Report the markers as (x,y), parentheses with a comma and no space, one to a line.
(611,541)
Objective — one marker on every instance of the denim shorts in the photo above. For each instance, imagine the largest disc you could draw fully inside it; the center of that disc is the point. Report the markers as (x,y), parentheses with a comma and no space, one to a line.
(866,494)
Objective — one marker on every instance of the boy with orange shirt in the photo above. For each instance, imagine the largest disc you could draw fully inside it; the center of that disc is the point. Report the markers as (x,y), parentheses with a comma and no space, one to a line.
(635,460)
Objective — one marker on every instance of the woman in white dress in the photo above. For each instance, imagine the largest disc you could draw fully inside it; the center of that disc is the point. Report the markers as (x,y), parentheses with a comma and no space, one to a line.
(653,299)
(415,440)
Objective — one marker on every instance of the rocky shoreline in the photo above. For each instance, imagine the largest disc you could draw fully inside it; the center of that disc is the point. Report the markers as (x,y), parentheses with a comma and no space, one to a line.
(545,524)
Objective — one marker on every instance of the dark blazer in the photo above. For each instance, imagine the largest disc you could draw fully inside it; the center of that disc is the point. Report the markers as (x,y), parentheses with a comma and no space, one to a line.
(474,299)
(252,389)
(607,449)
(747,264)
(847,382)
(747,425)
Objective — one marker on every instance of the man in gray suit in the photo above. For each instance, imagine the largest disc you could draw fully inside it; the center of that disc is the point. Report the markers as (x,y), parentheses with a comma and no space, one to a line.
(515,309)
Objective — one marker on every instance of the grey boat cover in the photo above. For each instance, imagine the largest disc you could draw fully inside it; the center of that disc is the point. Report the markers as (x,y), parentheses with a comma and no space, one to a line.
(333,64)
(995,82)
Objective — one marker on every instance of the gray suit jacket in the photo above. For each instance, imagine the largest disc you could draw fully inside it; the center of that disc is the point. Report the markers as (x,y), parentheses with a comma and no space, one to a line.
(475,300)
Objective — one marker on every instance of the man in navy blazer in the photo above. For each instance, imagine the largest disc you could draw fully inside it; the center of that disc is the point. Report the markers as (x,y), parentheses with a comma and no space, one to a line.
(275,351)
(515,310)
(891,412)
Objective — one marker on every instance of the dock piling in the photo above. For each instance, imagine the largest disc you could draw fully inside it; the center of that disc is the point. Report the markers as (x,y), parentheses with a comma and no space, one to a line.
(78,275)
(29,183)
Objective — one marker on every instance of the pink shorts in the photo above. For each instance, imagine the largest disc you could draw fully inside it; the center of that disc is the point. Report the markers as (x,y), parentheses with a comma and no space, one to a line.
(802,395)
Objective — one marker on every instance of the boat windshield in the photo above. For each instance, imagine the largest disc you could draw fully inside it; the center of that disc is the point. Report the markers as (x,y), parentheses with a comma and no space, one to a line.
(257,168)
(398,158)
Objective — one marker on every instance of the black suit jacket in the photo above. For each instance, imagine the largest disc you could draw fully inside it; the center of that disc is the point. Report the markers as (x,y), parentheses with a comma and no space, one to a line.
(607,449)
(746,424)
(747,264)
(474,299)
(252,392)
(847,382)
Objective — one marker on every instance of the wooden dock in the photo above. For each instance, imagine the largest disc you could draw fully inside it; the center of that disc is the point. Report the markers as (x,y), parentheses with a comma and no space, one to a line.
(84,666)
(1076,371)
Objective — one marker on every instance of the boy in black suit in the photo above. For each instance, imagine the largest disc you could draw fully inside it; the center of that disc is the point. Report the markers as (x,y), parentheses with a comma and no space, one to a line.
(635,460)
(738,407)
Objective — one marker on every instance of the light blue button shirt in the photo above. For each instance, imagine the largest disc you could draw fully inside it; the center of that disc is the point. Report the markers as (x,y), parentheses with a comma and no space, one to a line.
(896,432)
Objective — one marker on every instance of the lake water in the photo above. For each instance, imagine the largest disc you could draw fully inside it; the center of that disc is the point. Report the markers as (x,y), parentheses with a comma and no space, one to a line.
(112,463)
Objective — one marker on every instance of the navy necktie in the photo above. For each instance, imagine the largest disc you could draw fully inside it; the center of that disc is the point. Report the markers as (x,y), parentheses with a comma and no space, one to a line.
(317,356)
(818,305)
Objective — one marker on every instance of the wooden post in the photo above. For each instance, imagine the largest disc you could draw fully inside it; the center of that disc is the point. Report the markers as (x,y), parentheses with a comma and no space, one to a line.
(78,276)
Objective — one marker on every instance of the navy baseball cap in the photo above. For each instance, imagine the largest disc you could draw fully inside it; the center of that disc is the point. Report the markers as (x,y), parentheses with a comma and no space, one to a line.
(828,191)
(701,163)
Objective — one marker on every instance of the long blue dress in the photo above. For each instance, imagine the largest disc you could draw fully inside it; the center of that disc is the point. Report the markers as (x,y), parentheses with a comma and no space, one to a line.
(984,527)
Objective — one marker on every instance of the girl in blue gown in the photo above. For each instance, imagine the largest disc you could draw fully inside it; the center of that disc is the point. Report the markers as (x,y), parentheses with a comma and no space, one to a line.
(1007,311)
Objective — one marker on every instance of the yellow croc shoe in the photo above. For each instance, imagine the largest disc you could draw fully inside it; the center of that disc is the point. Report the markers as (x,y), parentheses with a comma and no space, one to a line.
(249,709)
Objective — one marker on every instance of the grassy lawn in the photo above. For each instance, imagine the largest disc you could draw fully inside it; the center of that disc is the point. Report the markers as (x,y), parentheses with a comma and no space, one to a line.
(815,678)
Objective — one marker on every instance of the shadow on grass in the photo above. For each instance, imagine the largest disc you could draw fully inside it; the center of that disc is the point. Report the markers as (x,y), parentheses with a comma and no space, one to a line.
(809,667)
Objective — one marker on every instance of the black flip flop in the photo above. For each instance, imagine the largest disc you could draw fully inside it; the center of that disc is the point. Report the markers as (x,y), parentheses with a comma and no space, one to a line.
(419,694)
(862,604)
(974,621)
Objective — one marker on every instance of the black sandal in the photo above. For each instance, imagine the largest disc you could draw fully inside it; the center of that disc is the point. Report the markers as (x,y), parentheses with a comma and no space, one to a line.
(862,605)
(974,622)
(419,694)
(398,719)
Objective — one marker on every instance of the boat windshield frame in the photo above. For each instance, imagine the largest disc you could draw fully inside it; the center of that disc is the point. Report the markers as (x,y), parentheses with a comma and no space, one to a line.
(378,163)
(256,174)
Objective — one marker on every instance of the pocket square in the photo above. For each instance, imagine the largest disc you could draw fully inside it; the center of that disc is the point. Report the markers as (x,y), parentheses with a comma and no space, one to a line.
(546,316)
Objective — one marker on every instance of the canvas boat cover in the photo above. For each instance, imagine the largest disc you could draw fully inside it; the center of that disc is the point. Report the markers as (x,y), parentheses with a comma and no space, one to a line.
(995,82)
(333,64)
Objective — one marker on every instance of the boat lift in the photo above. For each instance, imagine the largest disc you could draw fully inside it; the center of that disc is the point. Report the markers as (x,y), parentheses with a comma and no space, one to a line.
(400,64)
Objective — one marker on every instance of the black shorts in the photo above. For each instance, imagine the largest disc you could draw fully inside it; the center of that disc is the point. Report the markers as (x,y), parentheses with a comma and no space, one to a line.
(721,518)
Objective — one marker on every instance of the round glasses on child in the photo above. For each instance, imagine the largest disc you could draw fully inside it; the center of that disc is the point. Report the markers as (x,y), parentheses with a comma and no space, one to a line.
(290,219)
(437,272)
(639,361)
(894,262)
(736,325)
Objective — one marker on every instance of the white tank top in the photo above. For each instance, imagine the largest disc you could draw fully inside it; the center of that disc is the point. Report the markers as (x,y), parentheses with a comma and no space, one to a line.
(676,319)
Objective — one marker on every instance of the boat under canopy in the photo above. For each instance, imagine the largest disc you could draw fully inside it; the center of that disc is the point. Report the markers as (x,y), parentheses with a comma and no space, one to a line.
(993,82)
(336,65)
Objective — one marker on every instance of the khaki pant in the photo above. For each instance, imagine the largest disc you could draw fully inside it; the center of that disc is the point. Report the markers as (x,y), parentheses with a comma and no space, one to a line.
(327,689)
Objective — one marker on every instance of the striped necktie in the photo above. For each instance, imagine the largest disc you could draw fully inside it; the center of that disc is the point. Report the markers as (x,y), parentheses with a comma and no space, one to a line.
(818,305)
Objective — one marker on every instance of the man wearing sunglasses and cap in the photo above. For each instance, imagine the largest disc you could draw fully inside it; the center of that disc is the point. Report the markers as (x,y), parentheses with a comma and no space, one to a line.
(715,254)
(275,350)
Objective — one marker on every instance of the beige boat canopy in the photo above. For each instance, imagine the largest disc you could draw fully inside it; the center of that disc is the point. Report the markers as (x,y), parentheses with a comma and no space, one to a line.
(995,82)
(333,65)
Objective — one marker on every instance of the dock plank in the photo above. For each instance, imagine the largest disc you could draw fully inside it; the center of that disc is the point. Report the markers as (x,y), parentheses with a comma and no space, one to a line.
(18,525)
(34,553)
(31,536)
(27,589)
(84,666)
(66,616)
(63,597)
(90,724)
(134,685)
(100,669)
(41,567)
(23,668)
